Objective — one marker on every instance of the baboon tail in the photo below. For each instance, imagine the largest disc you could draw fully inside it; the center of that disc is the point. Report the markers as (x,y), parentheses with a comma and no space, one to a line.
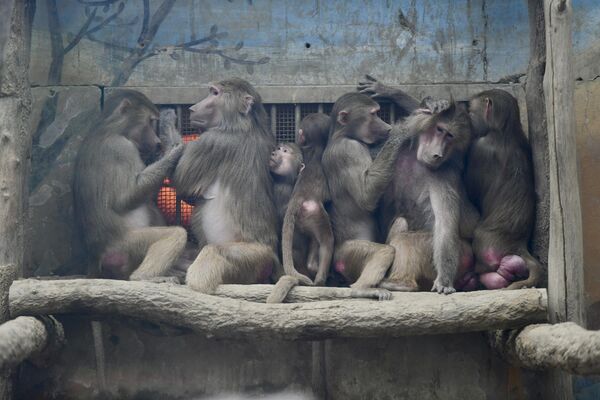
(282,288)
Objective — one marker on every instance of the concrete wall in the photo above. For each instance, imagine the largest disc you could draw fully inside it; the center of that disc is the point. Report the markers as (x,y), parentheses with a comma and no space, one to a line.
(287,47)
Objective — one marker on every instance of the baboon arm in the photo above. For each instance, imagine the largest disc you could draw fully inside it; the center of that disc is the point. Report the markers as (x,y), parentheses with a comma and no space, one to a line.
(148,181)
(366,180)
(405,101)
(445,204)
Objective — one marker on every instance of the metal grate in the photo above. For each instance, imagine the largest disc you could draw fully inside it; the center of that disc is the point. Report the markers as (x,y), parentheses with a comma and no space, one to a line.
(285,125)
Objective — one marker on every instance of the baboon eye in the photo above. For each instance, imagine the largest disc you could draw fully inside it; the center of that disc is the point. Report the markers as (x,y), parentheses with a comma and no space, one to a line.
(450,136)
(439,130)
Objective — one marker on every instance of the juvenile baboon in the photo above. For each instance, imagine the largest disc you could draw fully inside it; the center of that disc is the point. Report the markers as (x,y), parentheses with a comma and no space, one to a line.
(356,183)
(114,191)
(499,179)
(426,201)
(306,210)
(285,164)
(226,172)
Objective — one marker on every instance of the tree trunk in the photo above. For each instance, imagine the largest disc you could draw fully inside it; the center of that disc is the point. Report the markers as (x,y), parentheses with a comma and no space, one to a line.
(15,145)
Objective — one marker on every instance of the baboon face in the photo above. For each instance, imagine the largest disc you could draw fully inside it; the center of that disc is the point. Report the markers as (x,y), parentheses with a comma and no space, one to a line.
(448,134)
(285,160)
(143,132)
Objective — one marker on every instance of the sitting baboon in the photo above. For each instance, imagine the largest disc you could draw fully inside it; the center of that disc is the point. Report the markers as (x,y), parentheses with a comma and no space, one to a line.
(114,191)
(426,201)
(356,183)
(286,164)
(499,179)
(226,172)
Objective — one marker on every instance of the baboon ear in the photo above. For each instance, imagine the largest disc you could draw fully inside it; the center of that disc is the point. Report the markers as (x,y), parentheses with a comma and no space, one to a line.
(302,165)
(124,106)
(248,102)
(488,108)
(342,117)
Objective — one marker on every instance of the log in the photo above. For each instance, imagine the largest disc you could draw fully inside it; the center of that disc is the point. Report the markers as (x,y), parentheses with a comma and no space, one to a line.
(26,337)
(225,318)
(565,346)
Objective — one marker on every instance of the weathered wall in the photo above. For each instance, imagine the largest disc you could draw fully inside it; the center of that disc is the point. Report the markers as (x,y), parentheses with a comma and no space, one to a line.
(146,363)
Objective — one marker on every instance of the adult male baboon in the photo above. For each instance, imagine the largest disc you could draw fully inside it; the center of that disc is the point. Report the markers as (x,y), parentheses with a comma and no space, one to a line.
(356,183)
(422,208)
(499,180)
(227,173)
(114,191)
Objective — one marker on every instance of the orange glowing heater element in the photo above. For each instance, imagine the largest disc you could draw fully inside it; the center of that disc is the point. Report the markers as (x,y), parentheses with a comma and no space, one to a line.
(167,199)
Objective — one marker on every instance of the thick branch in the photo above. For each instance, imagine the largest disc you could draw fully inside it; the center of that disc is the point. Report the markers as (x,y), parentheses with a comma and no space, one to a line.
(406,314)
(26,337)
(565,346)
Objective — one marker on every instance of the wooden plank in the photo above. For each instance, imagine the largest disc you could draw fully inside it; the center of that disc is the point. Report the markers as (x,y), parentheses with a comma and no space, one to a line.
(406,314)
(565,256)
(565,269)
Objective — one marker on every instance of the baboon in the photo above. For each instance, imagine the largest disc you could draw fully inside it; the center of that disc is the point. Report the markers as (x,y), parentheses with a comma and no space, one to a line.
(286,164)
(227,173)
(499,180)
(114,190)
(426,201)
(306,210)
(356,183)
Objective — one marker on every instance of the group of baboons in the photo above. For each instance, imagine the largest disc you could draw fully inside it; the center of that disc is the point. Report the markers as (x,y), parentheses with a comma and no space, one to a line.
(447,202)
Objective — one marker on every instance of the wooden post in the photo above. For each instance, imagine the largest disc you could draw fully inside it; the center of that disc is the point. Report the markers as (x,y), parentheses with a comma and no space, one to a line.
(565,256)
(565,269)
(15,147)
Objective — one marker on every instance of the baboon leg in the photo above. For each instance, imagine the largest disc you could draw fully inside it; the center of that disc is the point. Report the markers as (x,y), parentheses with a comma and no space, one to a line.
(238,262)
(315,223)
(159,248)
(312,259)
(368,262)
(413,260)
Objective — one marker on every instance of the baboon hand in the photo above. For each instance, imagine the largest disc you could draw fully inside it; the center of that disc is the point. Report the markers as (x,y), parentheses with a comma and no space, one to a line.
(443,286)
(429,105)
(372,87)
(168,134)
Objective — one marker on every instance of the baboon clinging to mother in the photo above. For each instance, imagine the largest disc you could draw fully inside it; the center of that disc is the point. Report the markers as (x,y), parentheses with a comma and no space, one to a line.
(226,172)
(114,189)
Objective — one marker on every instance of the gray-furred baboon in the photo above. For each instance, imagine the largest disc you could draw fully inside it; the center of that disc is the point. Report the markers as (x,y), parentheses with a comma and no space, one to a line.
(426,202)
(114,191)
(356,183)
(307,236)
(306,210)
(227,173)
(499,179)
(286,164)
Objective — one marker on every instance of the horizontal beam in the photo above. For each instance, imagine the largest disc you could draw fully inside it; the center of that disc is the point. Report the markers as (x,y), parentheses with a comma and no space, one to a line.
(314,94)
(26,337)
(218,317)
(565,346)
